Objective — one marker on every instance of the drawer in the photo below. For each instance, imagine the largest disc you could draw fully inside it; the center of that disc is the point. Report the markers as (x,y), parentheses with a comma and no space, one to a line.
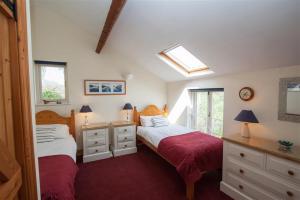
(96,133)
(96,149)
(284,168)
(249,189)
(245,154)
(125,137)
(283,189)
(125,130)
(124,145)
(96,141)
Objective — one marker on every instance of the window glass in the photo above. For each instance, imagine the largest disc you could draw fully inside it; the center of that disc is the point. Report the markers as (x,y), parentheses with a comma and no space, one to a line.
(53,83)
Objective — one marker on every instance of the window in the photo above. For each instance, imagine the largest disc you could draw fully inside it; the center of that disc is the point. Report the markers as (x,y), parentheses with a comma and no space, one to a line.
(183,61)
(206,112)
(51,82)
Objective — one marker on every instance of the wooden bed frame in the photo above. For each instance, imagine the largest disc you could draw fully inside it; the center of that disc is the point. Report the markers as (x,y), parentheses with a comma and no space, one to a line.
(152,110)
(50,117)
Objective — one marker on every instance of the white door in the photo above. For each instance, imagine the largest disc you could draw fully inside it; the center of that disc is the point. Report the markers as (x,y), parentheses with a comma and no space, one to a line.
(206,112)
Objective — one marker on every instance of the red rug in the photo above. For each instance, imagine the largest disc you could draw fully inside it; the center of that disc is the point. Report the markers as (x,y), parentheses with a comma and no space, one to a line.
(143,175)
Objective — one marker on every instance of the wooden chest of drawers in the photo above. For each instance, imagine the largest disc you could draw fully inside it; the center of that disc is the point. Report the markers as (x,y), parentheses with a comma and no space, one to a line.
(95,142)
(256,169)
(124,138)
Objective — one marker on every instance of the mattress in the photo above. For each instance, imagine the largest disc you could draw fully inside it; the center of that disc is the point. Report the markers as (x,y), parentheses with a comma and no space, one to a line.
(155,134)
(66,146)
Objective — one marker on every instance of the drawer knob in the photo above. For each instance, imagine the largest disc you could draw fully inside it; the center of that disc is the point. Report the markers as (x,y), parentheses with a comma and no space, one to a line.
(96,150)
(95,133)
(125,130)
(242,155)
(291,173)
(241,187)
(241,171)
(289,193)
(125,138)
(125,145)
(96,142)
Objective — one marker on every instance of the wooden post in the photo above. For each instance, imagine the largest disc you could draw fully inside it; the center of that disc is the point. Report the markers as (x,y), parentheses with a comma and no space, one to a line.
(190,189)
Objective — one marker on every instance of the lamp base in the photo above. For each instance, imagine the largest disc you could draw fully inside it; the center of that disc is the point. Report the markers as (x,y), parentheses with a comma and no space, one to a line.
(245,130)
(86,122)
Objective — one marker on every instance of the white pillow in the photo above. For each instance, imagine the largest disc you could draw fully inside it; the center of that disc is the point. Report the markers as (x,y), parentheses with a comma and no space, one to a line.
(59,131)
(160,121)
(146,121)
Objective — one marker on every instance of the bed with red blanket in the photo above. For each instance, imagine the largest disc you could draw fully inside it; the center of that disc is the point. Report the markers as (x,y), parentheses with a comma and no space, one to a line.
(56,151)
(192,153)
(57,177)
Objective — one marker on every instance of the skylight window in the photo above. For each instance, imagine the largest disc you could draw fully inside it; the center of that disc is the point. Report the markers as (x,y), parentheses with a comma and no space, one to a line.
(184,61)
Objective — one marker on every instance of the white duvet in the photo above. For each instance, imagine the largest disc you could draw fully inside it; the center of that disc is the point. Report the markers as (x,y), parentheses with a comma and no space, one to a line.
(66,146)
(155,134)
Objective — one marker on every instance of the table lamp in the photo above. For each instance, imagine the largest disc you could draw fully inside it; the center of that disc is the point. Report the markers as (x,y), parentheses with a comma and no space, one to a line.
(127,107)
(86,109)
(246,116)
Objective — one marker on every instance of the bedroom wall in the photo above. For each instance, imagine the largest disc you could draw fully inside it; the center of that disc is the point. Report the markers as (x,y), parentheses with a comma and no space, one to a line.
(56,38)
(264,105)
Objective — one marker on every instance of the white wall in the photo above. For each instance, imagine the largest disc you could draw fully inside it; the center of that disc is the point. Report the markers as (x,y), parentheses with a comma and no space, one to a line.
(55,38)
(264,105)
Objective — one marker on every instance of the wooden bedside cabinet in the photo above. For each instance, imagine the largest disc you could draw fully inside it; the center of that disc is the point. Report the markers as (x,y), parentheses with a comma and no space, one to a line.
(124,138)
(95,142)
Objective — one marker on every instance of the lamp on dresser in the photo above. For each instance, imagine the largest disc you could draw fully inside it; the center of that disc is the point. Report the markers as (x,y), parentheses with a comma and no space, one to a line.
(127,107)
(246,116)
(86,109)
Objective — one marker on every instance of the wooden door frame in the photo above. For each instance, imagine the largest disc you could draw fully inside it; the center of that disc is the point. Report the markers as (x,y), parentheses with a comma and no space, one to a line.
(21,98)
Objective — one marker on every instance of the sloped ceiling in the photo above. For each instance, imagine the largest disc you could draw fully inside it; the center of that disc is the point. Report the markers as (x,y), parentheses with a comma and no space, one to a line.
(227,35)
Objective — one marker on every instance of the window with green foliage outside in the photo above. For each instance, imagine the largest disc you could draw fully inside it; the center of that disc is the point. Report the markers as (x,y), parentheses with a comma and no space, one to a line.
(206,111)
(53,83)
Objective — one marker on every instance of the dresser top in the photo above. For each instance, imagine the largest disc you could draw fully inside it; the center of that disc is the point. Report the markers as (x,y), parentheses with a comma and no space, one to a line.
(268,146)
(122,123)
(95,126)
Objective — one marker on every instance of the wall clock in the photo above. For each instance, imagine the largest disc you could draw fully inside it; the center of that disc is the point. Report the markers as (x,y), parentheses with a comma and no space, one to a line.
(246,93)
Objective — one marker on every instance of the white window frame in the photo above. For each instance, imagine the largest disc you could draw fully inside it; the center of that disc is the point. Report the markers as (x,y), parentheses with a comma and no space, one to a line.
(191,114)
(38,83)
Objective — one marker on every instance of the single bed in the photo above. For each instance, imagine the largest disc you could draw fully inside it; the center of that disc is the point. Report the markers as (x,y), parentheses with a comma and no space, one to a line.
(57,159)
(191,152)
(155,134)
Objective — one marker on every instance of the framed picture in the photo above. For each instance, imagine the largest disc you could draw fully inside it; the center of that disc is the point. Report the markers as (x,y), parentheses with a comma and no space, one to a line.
(104,87)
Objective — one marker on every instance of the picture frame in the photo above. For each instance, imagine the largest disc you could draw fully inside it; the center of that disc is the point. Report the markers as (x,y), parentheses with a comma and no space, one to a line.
(104,87)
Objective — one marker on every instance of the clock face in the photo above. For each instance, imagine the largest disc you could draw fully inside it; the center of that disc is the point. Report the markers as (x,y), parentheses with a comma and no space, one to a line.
(246,93)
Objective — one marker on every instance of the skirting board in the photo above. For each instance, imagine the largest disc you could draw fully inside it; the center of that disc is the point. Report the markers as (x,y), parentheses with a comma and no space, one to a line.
(121,152)
(99,156)
(232,192)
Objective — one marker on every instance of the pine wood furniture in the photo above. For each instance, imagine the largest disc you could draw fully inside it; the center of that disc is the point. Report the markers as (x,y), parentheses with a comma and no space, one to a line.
(95,142)
(50,117)
(16,117)
(255,169)
(152,110)
(124,138)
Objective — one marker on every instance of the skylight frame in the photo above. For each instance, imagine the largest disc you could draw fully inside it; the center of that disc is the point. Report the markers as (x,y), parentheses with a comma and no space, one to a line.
(164,54)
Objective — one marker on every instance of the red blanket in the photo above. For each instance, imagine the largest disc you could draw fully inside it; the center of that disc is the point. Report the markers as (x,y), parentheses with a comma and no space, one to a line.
(192,154)
(57,177)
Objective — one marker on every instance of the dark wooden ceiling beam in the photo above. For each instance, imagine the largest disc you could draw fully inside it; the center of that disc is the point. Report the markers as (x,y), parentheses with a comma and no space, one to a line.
(112,16)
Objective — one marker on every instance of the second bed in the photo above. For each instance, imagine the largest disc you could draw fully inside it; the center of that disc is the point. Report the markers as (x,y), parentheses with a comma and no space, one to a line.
(191,152)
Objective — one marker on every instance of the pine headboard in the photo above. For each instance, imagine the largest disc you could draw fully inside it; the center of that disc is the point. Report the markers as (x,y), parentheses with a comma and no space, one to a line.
(150,110)
(50,117)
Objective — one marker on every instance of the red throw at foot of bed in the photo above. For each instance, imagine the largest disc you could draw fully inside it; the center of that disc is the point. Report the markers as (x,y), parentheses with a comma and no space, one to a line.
(192,154)
(57,177)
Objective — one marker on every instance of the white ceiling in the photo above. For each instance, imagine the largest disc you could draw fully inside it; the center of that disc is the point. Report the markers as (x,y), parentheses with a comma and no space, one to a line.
(227,35)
